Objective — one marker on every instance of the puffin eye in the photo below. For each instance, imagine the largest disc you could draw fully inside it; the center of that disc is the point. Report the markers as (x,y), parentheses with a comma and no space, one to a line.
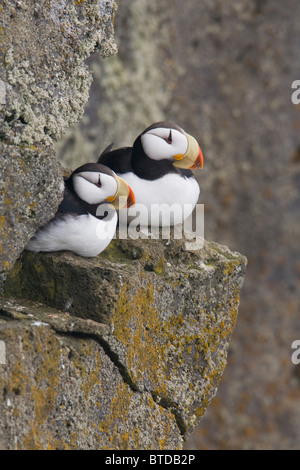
(99,182)
(169,139)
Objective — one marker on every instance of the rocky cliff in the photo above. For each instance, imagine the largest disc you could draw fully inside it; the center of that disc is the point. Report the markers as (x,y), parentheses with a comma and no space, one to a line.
(44,85)
(122,351)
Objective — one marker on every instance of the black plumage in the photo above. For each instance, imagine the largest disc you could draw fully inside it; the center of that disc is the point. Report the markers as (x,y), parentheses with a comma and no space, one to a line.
(134,159)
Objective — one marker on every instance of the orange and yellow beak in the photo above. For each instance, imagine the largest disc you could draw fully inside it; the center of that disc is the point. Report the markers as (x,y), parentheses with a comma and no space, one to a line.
(193,157)
(124,196)
(130,198)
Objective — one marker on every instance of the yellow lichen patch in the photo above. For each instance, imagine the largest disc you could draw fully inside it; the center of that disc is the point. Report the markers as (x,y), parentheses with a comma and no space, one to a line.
(160,266)
(229,267)
(39,267)
(136,323)
(2,222)
(92,376)
(50,284)
(113,430)
(7,201)
(15,270)
(43,391)
(177,351)
(124,426)
(165,425)
(18,379)
(212,336)
(5,264)
(156,350)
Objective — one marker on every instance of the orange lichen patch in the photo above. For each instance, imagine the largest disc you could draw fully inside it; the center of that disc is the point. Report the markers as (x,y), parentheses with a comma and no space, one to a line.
(42,388)
(136,324)
(111,428)
(90,375)
(159,352)
(123,426)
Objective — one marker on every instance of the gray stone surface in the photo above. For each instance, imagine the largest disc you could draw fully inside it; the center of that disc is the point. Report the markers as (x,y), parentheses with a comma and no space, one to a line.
(122,351)
(64,392)
(29,193)
(44,85)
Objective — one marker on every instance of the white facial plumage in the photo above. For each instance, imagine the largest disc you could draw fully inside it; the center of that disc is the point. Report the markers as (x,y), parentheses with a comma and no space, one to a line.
(93,187)
(164,143)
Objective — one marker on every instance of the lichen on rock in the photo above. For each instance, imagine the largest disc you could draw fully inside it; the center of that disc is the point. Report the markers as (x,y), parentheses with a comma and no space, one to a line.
(62,392)
(44,87)
(46,79)
(166,325)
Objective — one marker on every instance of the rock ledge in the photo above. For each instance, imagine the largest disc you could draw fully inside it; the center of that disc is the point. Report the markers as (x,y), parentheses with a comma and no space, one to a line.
(142,331)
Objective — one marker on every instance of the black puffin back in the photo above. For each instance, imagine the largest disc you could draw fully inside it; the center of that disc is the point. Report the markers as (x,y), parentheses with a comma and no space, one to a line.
(118,160)
(71,202)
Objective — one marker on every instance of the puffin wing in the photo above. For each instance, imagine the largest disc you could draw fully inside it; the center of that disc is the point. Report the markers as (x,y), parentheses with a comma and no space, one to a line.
(73,205)
(70,204)
(106,150)
(118,160)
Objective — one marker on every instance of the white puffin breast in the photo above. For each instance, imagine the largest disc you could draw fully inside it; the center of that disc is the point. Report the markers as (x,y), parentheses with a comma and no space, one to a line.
(84,235)
(171,191)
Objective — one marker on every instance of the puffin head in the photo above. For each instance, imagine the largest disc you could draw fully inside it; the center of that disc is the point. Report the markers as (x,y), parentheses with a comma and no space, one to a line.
(167,141)
(95,183)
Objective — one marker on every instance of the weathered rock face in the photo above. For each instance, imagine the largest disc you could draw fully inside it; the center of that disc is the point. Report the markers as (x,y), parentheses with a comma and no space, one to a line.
(29,194)
(44,85)
(122,351)
(61,391)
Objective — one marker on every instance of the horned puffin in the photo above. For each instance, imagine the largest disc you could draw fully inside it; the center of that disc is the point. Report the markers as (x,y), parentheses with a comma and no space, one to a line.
(86,219)
(158,169)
